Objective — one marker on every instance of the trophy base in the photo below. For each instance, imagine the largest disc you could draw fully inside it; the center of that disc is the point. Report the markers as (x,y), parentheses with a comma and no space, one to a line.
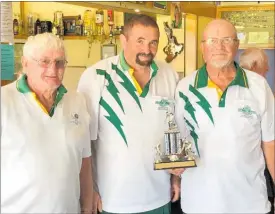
(175,164)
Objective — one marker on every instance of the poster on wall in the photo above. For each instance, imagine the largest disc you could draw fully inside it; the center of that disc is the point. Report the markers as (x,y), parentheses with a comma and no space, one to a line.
(176,15)
(6,23)
(256,24)
(7,62)
(7,41)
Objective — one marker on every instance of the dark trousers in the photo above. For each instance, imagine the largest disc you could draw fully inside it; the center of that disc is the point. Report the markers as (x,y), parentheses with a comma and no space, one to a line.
(176,208)
(271,199)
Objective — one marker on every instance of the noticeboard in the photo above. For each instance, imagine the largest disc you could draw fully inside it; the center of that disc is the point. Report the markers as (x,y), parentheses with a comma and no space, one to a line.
(255,25)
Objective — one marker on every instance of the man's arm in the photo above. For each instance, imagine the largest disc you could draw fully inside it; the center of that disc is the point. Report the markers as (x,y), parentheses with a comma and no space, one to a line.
(175,188)
(86,186)
(269,153)
(267,129)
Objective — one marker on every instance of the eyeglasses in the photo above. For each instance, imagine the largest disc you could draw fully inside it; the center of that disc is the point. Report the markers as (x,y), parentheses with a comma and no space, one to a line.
(223,41)
(46,63)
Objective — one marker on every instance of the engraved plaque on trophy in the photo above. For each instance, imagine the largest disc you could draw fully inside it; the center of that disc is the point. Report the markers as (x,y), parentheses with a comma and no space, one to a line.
(173,151)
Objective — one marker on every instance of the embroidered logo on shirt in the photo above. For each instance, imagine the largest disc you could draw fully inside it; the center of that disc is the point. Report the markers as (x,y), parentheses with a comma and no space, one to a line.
(75,118)
(163,104)
(247,112)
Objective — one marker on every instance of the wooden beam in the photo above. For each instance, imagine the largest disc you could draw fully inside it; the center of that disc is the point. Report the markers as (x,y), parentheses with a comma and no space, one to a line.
(127,7)
(199,8)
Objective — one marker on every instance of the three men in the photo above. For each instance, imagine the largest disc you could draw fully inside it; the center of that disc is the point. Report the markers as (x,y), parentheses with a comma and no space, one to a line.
(123,95)
(229,113)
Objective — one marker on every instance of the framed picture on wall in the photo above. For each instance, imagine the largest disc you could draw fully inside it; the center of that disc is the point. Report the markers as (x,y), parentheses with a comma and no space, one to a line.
(70,25)
(108,50)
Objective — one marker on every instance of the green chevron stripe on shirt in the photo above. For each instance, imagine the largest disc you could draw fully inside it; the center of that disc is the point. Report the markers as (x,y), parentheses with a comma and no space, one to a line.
(127,84)
(188,106)
(113,118)
(193,134)
(111,87)
(203,103)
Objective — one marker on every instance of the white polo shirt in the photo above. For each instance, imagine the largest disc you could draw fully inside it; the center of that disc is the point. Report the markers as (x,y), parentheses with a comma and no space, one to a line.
(41,156)
(228,132)
(129,126)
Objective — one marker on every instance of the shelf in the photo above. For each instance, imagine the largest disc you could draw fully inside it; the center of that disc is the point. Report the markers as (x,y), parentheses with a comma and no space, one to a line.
(65,37)
(20,36)
(75,38)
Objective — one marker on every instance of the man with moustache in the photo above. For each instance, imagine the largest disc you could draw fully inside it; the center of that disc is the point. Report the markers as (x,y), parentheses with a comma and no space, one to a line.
(229,113)
(124,93)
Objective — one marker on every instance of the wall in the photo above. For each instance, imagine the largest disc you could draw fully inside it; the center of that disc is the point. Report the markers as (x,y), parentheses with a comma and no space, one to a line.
(237,3)
(202,22)
(190,43)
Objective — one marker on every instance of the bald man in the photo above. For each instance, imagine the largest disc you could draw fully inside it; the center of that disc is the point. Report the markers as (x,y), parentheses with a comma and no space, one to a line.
(255,59)
(228,114)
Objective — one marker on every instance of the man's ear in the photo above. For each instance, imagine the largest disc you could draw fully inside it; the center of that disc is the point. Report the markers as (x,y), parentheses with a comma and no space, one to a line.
(123,41)
(202,51)
(24,61)
(254,66)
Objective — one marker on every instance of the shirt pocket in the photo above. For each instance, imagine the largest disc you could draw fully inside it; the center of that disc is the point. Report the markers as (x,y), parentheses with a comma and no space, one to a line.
(245,118)
(76,131)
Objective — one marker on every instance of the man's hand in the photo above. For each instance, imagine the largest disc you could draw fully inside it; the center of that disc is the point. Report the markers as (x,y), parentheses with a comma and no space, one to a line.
(269,153)
(97,205)
(175,188)
(177,171)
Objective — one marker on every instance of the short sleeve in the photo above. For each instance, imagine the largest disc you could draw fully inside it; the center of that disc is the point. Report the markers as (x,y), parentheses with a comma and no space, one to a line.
(88,85)
(86,151)
(267,118)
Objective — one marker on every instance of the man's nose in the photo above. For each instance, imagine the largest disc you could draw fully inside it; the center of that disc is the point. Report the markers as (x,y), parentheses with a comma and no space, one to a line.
(146,49)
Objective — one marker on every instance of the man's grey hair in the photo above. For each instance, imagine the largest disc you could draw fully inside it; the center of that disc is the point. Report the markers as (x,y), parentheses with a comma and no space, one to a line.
(252,57)
(42,42)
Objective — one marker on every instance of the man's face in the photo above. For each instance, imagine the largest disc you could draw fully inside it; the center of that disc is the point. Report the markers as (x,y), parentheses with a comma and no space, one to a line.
(46,69)
(140,44)
(220,46)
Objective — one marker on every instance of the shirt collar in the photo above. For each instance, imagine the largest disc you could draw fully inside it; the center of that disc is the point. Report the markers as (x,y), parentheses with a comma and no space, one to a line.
(22,86)
(201,79)
(125,67)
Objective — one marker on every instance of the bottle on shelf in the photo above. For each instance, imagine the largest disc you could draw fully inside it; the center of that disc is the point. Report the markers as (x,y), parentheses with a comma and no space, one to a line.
(15,25)
(58,25)
(30,25)
(99,21)
(37,29)
(99,17)
(79,26)
(87,23)
(110,14)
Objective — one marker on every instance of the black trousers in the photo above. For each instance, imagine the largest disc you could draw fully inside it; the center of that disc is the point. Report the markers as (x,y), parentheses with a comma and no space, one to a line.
(176,208)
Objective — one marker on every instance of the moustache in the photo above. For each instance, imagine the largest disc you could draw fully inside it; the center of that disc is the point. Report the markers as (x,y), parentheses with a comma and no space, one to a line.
(146,55)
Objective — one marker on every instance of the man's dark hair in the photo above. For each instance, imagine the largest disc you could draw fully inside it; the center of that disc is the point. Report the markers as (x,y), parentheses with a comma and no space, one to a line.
(144,20)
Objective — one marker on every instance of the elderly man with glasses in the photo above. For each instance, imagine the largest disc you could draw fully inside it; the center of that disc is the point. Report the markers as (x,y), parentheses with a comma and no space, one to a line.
(229,113)
(45,140)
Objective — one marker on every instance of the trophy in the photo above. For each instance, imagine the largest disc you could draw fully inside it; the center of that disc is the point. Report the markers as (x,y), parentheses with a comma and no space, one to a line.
(173,152)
